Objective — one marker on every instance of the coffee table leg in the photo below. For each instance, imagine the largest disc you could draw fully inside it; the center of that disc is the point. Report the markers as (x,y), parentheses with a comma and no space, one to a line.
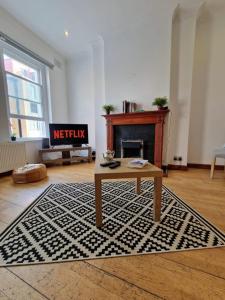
(98,201)
(138,185)
(157,198)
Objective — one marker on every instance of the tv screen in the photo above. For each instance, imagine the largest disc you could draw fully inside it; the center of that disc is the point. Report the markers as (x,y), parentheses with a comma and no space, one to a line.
(68,134)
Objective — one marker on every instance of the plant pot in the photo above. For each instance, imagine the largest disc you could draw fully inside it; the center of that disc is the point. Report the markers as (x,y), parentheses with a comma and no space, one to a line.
(13,138)
(108,112)
(162,107)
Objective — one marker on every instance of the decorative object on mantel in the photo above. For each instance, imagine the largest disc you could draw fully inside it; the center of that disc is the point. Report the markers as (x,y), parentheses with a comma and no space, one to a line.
(129,106)
(161,103)
(13,137)
(108,108)
(140,110)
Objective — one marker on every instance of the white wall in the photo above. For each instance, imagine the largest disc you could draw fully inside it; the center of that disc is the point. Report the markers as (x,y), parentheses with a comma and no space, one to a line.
(207,126)
(99,94)
(183,43)
(86,87)
(32,151)
(139,65)
(80,90)
(58,90)
(132,65)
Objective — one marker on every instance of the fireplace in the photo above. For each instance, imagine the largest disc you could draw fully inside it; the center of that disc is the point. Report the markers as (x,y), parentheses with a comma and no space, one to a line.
(146,126)
(135,132)
(131,148)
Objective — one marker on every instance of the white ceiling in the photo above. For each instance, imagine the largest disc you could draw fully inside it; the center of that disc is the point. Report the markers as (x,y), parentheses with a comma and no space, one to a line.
(84,19)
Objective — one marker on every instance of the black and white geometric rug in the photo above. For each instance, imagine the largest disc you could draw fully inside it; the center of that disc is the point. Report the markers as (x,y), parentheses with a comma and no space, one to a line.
(60,225)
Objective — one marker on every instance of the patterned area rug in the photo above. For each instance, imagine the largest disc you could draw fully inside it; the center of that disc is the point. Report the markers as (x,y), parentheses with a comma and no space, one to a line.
(60,225)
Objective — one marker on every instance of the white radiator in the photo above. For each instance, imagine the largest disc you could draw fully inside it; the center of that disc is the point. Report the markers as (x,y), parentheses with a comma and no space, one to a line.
(12,155)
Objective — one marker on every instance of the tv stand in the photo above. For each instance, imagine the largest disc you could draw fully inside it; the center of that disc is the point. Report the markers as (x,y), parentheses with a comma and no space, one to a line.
(66,155)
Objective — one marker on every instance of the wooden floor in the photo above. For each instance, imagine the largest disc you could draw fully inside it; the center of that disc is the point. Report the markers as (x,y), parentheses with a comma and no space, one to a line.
(196,274)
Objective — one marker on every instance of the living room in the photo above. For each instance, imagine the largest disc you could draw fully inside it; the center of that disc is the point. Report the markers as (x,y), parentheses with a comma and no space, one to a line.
(89,91)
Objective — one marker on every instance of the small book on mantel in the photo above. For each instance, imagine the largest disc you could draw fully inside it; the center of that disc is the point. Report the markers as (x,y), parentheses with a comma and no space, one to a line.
(129,107)
(137,163)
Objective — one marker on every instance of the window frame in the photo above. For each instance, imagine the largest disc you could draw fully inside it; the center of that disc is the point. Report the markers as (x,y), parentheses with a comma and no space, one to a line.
(43,84)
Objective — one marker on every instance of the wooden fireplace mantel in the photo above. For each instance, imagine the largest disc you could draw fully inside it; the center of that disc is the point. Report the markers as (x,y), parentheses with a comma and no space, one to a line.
(147,117)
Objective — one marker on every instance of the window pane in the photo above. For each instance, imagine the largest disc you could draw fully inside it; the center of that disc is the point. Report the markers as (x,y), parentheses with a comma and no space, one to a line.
(29,128)
(20,69)
(25,108)
(22,89)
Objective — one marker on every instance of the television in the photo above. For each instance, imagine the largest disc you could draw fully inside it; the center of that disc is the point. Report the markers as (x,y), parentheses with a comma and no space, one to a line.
(68,134)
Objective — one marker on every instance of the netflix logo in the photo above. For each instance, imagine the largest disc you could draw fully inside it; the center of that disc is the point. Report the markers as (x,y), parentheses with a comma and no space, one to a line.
(62,134)
(68,134)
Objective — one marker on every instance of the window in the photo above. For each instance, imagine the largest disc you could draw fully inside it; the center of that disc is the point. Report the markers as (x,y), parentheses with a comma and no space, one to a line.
(25,82)
(33,108)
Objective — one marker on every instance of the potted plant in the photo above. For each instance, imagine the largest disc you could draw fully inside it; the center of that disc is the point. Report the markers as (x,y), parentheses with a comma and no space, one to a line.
(108,108)
(161,103)
(13,137)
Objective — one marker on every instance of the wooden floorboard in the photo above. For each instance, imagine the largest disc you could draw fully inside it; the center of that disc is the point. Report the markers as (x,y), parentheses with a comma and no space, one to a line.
(196,274)
(164,278)
(207,260)
(13,287)
(79,280)
(2,226)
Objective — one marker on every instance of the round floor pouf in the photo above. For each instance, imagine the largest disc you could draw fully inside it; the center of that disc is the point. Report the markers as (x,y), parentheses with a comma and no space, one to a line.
(29,173)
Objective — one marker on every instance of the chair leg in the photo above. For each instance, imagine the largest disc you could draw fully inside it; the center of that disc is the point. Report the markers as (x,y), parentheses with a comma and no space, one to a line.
(212,167)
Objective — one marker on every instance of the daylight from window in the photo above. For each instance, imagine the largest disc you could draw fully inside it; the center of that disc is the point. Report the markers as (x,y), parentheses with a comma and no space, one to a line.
(25,99)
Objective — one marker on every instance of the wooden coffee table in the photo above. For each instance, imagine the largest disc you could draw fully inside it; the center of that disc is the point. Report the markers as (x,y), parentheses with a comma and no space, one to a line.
(123,171)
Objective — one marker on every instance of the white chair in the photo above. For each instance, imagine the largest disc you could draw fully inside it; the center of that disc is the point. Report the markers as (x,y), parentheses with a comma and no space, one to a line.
(217,153)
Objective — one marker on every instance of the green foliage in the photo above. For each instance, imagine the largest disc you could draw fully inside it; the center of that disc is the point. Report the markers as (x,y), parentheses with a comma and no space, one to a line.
(160,101)
(108,108)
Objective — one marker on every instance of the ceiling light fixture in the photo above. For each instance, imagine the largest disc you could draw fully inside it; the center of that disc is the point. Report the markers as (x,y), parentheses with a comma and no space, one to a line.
(66,33)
